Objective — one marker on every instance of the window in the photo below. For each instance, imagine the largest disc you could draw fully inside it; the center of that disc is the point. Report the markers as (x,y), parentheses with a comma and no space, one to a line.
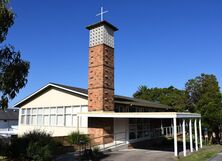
(34,111)
(28,111)
(53,116)
(46,111)
(53,120)
(68,110)
(68,120)
(23,111)
(39,119)
(23,116)
(22,119)
(76,109)
(46,116)
(46,120)
(39,116)
(60,120)
(28,118)
(60,110)
(68,116)
(53,110)
(40,110)
(34,120)
(74,121)
(34,116)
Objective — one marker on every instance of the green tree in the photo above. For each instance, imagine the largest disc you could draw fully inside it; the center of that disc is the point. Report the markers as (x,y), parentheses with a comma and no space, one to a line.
(13,70)
(170,96)
(204,97)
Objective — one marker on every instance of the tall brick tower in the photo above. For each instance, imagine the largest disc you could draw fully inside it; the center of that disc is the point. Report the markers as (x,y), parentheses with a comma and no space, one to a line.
(101,67)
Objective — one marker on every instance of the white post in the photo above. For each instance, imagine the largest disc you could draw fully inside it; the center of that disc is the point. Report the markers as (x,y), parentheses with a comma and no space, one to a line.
(195,131)
(175,136)
(191,137)
(78,123)
(20,117)
(161,125)
(181,128)
(200,132)
(184,139)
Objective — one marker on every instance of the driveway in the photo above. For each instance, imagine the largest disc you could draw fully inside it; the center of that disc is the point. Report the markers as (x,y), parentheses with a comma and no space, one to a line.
(217,158)
(140,155)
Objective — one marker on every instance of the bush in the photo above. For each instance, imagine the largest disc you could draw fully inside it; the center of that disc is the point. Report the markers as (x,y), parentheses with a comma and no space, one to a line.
(3,147)
(33,146)
(75,138)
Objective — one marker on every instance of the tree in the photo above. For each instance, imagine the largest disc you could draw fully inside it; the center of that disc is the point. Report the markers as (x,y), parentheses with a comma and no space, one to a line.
(203,96)
(13,70)
(170,96)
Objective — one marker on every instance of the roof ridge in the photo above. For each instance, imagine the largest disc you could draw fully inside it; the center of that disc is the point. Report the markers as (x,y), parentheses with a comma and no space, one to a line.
(117,98)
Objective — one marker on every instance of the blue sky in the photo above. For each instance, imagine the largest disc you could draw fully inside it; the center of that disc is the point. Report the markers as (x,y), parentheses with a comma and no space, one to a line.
(159,42)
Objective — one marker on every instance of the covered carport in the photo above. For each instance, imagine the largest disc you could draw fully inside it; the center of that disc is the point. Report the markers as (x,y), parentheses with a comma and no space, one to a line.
(189,119)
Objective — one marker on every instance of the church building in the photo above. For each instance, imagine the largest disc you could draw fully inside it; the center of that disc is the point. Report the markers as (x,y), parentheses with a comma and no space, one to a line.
(108,118)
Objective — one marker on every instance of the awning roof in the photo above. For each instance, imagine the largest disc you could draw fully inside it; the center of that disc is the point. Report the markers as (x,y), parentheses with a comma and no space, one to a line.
(140,114)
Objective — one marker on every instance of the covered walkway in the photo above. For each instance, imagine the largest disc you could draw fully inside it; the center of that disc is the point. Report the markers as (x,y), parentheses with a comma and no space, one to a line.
(190,120)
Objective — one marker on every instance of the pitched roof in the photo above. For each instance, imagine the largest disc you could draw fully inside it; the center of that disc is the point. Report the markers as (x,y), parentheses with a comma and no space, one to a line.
(9,114)
(84,92)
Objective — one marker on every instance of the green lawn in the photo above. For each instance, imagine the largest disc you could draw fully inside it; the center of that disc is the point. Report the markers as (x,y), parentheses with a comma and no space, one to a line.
(203,154)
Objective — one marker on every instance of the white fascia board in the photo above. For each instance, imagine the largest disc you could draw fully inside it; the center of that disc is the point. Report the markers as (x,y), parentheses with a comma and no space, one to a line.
(129,114)
(188,115)
(166,115)
(46,86)
(83,94)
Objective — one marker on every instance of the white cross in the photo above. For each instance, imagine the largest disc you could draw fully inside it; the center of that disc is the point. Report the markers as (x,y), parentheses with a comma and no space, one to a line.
(101,13)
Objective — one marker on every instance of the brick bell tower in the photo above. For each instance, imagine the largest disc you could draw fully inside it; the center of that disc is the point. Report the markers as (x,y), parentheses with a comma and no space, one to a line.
(101,67)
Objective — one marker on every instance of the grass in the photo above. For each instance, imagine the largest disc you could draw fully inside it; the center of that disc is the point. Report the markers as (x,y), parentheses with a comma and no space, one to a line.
(203,154)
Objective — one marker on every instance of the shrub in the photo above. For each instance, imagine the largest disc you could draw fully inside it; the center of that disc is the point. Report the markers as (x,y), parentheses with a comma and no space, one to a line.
(3,147)
(96,150)
(33,146)
(75,138)
(78,140)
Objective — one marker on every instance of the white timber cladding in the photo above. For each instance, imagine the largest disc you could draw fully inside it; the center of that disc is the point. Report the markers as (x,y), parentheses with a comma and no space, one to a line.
(101,35)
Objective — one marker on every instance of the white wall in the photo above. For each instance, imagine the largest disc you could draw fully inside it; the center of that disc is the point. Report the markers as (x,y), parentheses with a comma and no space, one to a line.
(54,131)
(55,98)
(121,130)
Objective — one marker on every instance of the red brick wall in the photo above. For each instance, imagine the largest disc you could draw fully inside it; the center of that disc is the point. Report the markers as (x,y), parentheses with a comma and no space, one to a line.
(98,127)
(101,78)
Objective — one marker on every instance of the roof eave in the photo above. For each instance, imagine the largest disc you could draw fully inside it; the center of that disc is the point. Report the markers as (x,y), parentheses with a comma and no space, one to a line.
(45,87)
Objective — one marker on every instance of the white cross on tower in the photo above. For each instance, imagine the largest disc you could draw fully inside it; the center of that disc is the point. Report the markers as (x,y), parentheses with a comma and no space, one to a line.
(101,13)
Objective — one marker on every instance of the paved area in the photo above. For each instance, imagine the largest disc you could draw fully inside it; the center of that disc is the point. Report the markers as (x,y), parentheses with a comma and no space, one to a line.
(139,155)
(217,158)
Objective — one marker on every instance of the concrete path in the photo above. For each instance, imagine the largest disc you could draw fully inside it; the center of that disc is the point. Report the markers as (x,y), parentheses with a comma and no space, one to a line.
(139,155)
(217,158)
